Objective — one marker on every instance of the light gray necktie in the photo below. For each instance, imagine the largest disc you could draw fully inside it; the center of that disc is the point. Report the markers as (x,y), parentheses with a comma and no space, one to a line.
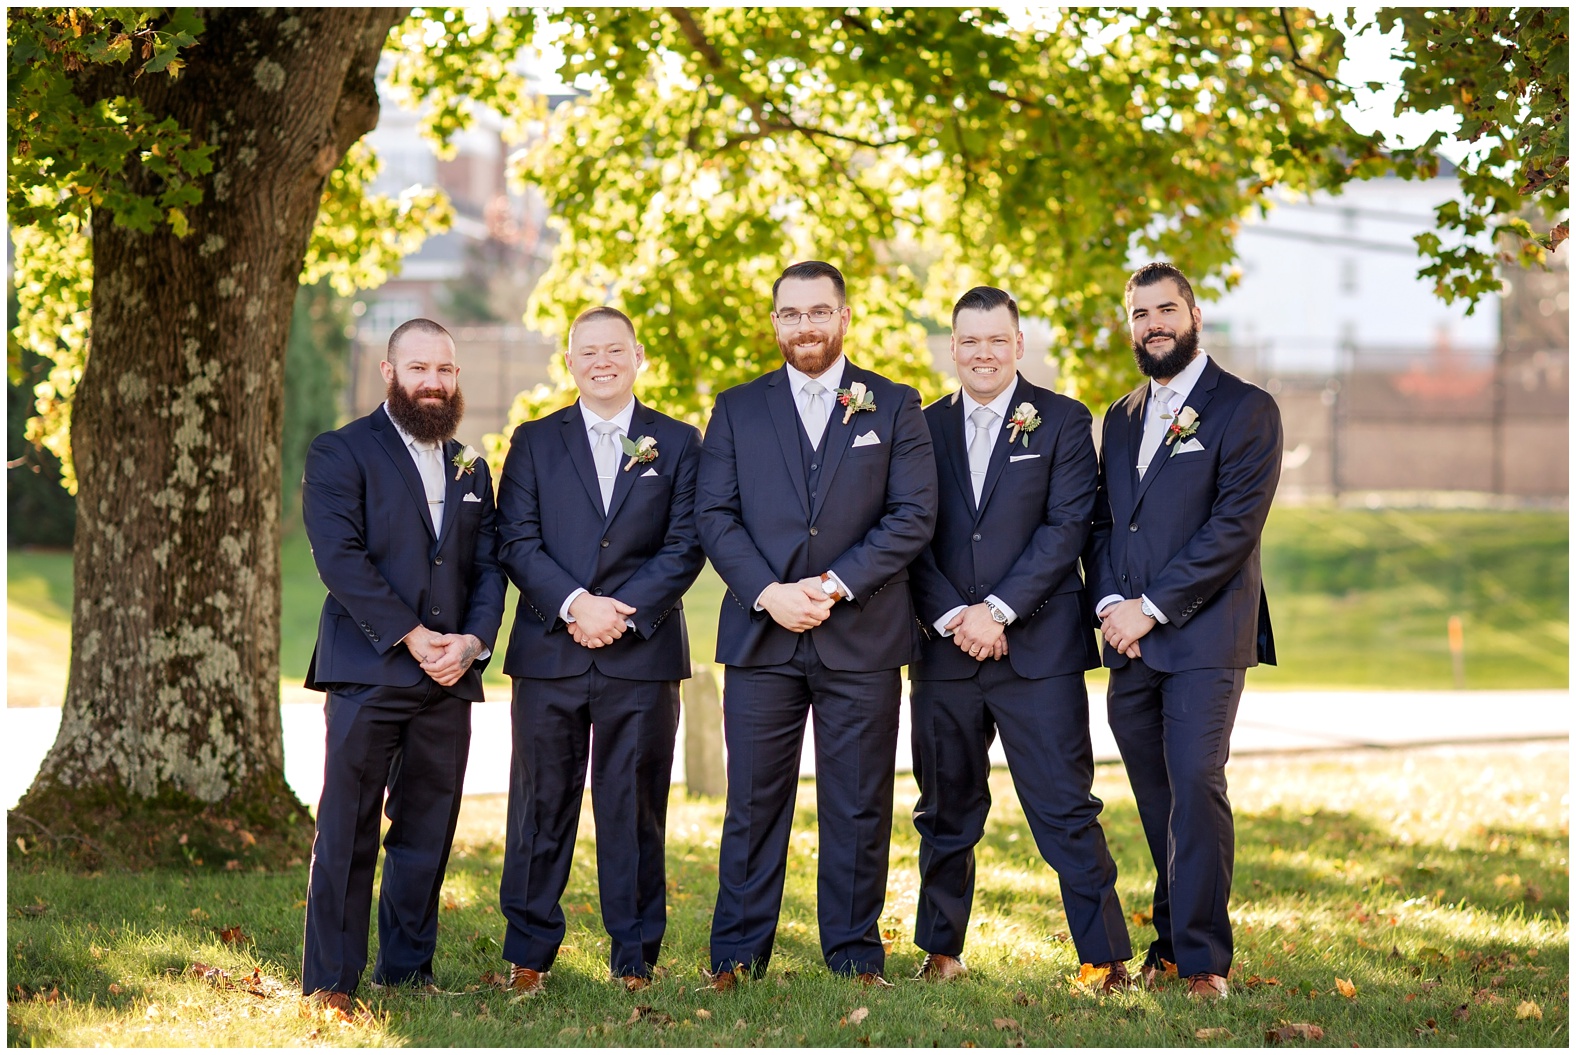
(1155,424)
(813,411)
(984,421)
(606,454)
(429,462)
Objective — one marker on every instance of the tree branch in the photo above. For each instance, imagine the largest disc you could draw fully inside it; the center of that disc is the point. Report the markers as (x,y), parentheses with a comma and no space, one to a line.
(1296,52)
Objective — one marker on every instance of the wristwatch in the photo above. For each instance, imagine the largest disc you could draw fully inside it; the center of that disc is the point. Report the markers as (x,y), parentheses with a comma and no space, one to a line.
(997,614)
(1148,609)
(829,586)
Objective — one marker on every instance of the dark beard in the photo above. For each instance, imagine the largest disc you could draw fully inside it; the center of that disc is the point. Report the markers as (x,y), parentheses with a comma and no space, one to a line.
(428,424)
(1183,347)
(808,362)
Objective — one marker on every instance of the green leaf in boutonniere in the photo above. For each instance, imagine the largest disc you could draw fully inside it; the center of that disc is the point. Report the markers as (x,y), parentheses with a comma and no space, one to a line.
(1025,420)
(640,451)
(1185,425)
(856,398)
(465,462)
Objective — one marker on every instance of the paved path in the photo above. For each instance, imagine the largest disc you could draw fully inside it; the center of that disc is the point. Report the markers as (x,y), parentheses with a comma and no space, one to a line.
(1267,722)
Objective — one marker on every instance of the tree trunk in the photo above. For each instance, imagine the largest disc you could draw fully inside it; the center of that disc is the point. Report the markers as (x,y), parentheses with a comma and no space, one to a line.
(173,699)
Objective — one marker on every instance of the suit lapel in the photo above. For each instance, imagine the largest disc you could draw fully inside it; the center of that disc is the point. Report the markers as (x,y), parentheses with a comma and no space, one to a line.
(454,489)
(785,417)
(399,454)
(955,448)
(1000,451)
(1198,399)
(624,480)
(579,447)
(837,439)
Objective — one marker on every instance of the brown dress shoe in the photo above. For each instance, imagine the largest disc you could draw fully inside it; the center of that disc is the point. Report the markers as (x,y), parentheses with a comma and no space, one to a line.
(338,1001)
(721,982)
(524,981)
(872,980)
(634,983)
(1117,980)
(939,967)
(1206,986)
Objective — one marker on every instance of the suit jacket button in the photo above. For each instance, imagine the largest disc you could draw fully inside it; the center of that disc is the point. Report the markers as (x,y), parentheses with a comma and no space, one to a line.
(437,560)
(971,591)
(1132,527)
(604,543)
(976,537)
(435,610)
(813,531)
(1124,578)
(597,592)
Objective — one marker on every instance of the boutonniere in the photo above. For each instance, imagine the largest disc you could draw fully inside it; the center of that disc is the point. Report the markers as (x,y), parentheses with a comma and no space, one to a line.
(640,451)
(1185,425)
(1025,420)
(465,462)
(856,398)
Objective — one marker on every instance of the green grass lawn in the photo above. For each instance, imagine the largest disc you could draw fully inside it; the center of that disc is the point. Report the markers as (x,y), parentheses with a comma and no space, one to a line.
(1360,599)
(1435,882)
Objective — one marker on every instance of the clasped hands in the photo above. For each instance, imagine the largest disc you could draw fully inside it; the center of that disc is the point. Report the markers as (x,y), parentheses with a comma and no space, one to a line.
(598,621)
(977,634)
(797,606)
(445,657)
(1123,623)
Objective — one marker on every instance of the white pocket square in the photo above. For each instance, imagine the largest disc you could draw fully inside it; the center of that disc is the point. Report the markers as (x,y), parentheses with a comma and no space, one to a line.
(1022,457)
(648,472)
(471,498)
(867,439)
(1189,447)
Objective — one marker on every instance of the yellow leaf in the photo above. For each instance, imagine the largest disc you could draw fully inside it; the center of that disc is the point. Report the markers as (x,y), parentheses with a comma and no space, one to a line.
(1529,1009)
(1212,1033)
(1346,988)
(1005,1023)
(858,1015)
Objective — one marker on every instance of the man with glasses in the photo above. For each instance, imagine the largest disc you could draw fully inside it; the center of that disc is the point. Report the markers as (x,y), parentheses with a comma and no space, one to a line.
(817,490)
(597,529)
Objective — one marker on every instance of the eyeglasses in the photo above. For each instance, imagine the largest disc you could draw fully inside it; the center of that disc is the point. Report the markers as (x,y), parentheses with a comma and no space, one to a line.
(816,315)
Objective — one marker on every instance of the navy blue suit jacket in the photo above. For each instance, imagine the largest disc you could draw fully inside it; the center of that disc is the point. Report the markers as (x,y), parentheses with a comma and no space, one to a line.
(873,514)
(366,515)
(1187,535)
(1021,544)
(555,539)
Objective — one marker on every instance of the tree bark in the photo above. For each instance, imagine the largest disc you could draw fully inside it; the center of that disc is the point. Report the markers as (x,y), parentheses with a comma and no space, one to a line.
(174,681)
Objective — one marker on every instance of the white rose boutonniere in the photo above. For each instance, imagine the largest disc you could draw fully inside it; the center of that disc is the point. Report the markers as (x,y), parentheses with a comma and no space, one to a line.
(856,398)
(1185,425)
(640,451)
(465,462)
(1024,420)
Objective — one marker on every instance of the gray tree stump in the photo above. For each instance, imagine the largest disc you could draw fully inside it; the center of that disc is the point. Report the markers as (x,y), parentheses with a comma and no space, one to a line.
(704,771)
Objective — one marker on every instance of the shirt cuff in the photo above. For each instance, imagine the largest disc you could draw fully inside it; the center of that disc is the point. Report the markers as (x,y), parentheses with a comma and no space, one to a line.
(1110,598)
(941,624)
(758,606)
(1160,617)
(842,587)
(1006,609)
(483,654)
(563,609)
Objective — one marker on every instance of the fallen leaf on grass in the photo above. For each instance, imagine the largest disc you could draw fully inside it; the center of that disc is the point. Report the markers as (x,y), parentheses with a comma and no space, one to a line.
(968,1044)
(646,1013)
(1346,988)
(1408,998)
(115,989)
(854,1017)
(1428,1028)
(1462,1013)
(1023,999)
(1005,1023)
(232,936)
(702,1014)
(1143,917)
(1089,978)
(494,978)
(38,908)
(247,838)
(198,913)
(1212,1033)
(1529,1009)
(1254,981)
(1294,1031)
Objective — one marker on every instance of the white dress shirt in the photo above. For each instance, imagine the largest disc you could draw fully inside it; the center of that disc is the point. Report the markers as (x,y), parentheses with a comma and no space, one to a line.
(831,380)
(1002,407)
(623,419)
(1180,386)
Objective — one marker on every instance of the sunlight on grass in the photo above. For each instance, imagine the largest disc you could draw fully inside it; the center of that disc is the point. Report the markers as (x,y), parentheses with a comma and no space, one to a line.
(1435,882)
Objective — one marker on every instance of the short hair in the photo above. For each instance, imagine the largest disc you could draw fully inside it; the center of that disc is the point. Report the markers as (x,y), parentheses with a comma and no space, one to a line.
(1159,271)
(985,298)
(414,326)
(809,269)
(601,311)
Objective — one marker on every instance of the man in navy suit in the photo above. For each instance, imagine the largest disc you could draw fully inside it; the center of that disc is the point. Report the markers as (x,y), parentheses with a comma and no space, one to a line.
(404,534)
(1189,465)
(817,490)
(1009,641)
(597,520)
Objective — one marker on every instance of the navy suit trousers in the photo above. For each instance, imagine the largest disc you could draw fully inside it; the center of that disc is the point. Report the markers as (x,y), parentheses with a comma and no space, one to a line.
(1174,732)
(1044,726)
(856,719)
(413,742)
(626,729)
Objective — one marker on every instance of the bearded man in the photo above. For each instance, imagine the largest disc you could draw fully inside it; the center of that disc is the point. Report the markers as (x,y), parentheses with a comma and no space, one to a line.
(404,534)
(817,490)
(1188,467)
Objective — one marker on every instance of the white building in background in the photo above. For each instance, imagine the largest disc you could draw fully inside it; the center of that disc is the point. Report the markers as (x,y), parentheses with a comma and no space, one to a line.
(1325,277)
